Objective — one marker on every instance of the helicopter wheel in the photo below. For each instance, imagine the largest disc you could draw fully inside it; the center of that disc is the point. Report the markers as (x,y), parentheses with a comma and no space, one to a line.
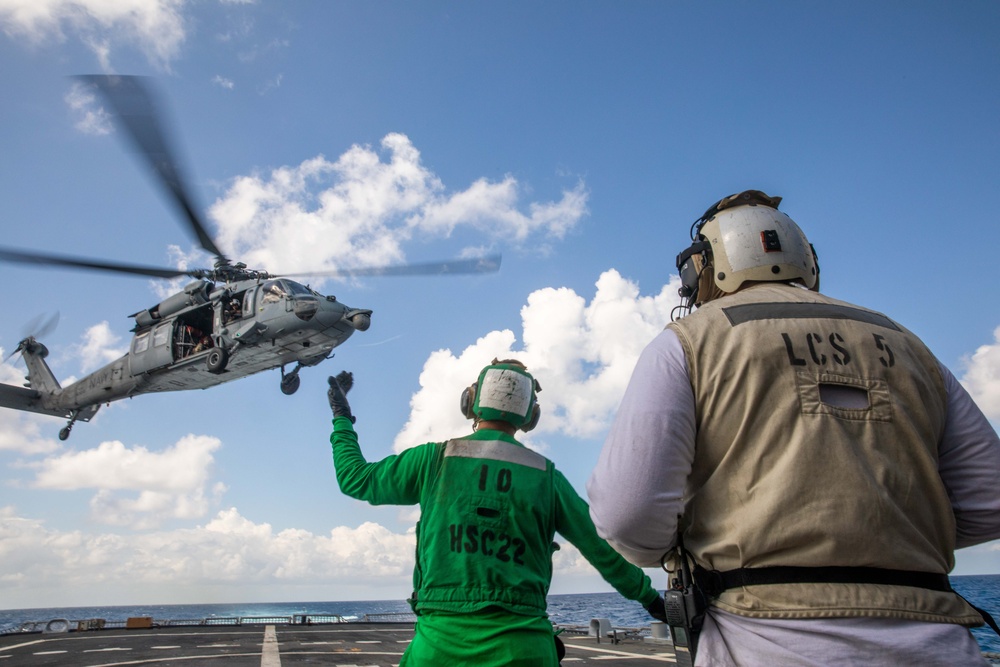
(64,433)
(217,360)
(290,384)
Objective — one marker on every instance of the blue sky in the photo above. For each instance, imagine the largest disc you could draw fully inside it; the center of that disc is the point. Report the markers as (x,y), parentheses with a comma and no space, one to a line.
(580,139)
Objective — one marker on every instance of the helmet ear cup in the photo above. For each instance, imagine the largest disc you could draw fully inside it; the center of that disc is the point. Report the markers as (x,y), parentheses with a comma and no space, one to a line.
(536,412)
(468,400)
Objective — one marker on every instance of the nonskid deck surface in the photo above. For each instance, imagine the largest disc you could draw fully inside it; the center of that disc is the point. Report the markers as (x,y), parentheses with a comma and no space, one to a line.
(344,645)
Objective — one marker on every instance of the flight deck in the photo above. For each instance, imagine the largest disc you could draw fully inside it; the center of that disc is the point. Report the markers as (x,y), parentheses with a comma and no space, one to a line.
(357,644)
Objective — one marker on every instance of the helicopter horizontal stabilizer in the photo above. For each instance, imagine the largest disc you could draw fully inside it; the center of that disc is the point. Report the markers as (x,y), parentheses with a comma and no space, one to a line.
(29,400)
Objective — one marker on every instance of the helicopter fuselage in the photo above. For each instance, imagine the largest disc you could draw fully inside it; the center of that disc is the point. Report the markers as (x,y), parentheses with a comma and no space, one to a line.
(205,336)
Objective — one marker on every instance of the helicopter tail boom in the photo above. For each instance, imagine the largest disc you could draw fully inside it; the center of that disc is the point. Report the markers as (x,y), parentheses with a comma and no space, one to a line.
(42,386)
(29,400)
(39,376)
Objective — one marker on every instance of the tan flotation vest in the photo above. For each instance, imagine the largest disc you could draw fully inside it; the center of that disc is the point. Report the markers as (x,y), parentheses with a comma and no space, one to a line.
(818,426)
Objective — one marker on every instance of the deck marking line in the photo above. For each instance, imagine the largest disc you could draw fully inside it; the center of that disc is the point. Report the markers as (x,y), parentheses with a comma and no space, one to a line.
(146,661)
(106,650)
(37,641)
(236,645)
(269,655)
(49,652)
(661,657)
(321,643)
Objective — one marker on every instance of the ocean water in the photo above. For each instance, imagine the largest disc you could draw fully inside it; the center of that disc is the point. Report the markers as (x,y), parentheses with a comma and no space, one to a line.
(981,590)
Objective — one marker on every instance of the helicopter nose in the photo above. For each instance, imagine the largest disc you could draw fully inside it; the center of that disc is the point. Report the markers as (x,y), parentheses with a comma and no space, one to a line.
(305,308)
(361,320)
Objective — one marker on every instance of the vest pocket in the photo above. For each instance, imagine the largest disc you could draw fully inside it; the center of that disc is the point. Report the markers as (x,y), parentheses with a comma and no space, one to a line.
(843,396)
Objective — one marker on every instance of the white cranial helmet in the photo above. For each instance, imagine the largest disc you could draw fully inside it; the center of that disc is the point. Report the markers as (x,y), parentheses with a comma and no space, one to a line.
(505,391)
(744,237)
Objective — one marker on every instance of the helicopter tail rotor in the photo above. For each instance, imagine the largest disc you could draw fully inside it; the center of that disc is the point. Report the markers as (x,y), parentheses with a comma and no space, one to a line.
(37,327)
(41,325)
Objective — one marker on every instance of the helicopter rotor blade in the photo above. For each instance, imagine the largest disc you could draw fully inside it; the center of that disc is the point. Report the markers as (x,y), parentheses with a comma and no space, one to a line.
(40,326)
(488,264)
(7,359)
(134,103)
(41,259)
(37,327)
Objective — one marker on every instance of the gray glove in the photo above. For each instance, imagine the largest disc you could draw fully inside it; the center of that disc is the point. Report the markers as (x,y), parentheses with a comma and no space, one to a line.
(337,394)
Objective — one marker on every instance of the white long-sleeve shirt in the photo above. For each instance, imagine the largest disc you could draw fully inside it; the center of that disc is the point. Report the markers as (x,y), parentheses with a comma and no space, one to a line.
(637,489)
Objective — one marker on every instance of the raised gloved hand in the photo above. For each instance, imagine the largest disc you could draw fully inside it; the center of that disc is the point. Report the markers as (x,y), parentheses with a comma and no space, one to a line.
(337,394)
(657,609)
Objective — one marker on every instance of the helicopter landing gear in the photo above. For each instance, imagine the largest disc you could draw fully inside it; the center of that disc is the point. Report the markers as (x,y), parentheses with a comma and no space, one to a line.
(217,359)
(290,382)
(65,430)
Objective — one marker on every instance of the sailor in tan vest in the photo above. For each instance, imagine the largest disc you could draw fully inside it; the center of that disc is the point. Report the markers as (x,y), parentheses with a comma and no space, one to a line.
(819,463)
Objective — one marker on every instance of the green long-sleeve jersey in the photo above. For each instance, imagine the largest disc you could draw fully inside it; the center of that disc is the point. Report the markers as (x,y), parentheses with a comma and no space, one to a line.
(490,508)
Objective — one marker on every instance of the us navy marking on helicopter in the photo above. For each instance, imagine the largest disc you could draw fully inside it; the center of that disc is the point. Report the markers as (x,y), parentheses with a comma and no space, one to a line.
(231,322)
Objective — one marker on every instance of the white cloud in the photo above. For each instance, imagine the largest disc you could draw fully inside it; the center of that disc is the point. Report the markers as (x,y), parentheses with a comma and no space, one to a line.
(182,261)
(269,85)
(174,483)
(93,118)
(156,27)
(982,377)
(582,354)
(99,346)
(361,209)
(487,204)
(230,551)
(231,556)
(223,82)
(20,431)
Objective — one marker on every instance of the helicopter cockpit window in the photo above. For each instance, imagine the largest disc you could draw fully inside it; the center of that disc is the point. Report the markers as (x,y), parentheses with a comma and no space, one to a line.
(232,308)
(298,289)
(273,291)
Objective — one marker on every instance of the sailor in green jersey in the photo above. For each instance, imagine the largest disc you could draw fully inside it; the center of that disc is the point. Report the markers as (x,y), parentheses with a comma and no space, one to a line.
(490,508)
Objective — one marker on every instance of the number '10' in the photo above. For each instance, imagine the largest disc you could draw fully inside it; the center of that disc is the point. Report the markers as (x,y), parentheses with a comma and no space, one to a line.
(503,479)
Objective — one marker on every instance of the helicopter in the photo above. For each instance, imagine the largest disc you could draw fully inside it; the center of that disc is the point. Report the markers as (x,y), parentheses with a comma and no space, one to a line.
(229,323)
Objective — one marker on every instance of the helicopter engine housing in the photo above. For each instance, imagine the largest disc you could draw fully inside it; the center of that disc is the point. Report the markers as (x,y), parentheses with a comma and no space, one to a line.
(195,294)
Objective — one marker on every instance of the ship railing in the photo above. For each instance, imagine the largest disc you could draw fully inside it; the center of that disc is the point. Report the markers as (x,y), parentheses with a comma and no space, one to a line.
(65,625)
(184,622)
(393,617)
(317,619)
(108,625)
(265,620)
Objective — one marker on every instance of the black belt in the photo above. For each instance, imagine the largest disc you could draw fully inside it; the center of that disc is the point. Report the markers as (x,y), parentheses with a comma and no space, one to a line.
(713,582)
